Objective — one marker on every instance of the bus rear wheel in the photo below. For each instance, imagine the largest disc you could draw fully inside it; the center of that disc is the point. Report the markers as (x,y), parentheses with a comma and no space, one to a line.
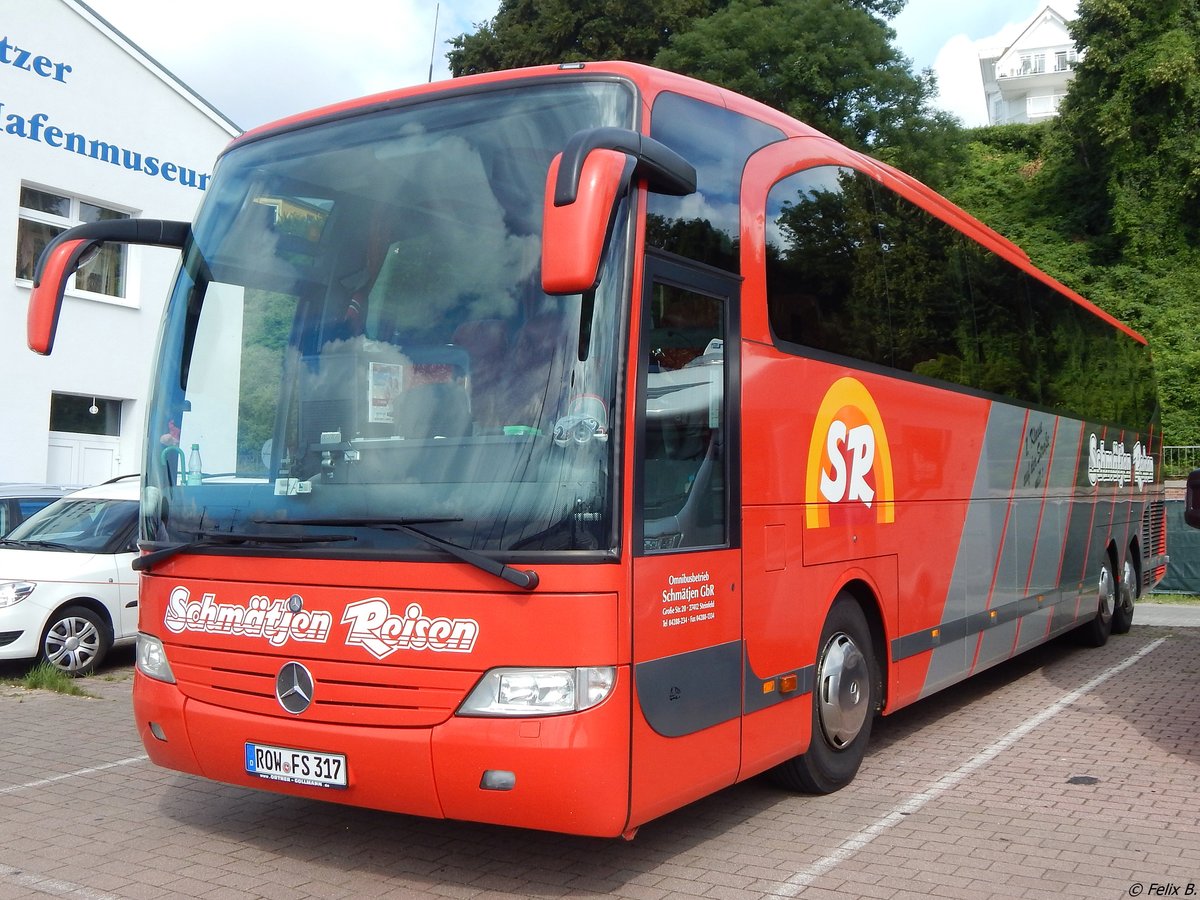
(1096,631)
(1127,592)
(844,700)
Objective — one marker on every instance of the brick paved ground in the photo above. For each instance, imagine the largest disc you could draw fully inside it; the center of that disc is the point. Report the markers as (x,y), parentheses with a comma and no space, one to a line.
(1059,774)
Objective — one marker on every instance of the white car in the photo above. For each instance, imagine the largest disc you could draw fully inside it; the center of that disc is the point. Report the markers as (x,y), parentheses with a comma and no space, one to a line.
(20,501)
(68,592)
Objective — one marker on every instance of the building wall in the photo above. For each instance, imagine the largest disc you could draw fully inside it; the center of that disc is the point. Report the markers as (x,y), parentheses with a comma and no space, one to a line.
(63,71)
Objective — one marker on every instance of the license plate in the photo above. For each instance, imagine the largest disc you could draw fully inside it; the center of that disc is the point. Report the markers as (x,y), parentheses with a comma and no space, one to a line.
(296,766)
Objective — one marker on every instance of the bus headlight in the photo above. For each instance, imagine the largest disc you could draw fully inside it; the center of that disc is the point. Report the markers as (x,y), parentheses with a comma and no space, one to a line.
(539,692)
(152,659)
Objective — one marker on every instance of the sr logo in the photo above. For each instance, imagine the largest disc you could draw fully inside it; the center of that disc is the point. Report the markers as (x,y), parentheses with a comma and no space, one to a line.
(851,454)
(849,462)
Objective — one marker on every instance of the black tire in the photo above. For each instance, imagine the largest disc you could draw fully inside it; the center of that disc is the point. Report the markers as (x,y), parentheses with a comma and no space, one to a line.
(1097,629)
(845,698)
(75,641)
(1127,594)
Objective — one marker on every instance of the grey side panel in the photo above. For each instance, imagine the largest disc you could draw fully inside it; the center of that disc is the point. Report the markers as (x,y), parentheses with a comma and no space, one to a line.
(1020,536)
(688,692)
(974,566)
(1047,564)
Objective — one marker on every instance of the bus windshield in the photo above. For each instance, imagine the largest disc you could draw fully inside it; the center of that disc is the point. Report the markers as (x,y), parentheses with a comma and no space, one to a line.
(358,341)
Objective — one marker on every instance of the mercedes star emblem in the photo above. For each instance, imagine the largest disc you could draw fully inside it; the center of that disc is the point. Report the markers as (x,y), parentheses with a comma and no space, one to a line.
(294,688)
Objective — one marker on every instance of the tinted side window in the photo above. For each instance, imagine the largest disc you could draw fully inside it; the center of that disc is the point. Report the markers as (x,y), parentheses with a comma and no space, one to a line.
(1088,365)
(825,286)
(856,270)
(704,226)
(929,313)
(1009,363)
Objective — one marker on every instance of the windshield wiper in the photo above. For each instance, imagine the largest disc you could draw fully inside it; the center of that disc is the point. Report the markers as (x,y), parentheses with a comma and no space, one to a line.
(527,579)
(43,545)
(229,538)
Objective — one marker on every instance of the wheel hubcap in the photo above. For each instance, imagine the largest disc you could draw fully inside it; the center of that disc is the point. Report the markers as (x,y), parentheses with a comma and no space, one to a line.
(71,644)
(1107,591)
(1128,584)
(842,691)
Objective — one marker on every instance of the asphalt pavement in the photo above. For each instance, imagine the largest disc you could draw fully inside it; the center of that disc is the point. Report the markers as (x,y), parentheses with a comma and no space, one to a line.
(1147,612)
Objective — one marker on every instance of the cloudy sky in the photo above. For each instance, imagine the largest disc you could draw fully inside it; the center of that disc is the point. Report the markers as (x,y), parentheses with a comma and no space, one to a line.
(259,60)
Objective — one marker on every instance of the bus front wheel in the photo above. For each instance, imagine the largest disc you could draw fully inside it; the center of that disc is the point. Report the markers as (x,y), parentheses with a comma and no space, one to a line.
(844,700)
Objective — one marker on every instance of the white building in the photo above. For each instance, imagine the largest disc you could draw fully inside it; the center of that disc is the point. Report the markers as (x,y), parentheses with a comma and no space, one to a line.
(90,127)
(1027,79)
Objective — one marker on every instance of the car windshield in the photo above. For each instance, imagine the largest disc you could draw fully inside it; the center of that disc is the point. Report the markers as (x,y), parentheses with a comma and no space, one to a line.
(86,525)
(358,338)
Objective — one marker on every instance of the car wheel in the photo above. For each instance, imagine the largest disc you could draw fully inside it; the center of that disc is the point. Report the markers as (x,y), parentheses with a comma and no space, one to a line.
(844,701)
(75,641)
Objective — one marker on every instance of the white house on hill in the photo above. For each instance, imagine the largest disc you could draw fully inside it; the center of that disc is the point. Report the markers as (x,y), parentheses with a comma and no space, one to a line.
(1026,80)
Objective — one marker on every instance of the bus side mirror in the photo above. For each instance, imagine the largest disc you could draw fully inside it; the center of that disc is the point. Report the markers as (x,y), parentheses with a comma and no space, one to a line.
(575,234)
(582,188)
(1191,503)
(70,251)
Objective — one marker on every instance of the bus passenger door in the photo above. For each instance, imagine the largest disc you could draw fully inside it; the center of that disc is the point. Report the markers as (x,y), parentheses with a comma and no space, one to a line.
(687,633)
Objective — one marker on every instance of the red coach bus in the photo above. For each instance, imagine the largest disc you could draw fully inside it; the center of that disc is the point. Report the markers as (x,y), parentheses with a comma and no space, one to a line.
(580,440)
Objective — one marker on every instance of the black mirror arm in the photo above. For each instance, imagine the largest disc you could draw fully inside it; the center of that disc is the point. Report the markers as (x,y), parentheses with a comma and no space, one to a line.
(665,171)
(153,232)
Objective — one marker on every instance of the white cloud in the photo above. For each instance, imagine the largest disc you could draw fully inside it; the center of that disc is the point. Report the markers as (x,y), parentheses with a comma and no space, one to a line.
(960,82)
(258,60)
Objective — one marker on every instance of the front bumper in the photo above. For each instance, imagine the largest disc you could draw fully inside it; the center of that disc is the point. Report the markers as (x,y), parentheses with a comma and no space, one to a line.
(570,773)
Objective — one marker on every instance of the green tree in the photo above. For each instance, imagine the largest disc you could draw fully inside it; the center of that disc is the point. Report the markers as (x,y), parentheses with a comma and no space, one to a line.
(1121,178)
(1127,142)
(539,32)
(831,64)
(1012,180)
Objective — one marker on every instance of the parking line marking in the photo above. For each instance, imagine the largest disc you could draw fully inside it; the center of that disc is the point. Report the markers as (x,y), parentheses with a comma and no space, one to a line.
(12,789)
(52,886)
(802,879)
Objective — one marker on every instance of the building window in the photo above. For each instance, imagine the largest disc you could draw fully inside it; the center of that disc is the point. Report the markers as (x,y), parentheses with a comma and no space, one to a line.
(1033,63)
(1039,106)
(85,415)
(46,214)
(1064,60)
(1043,106)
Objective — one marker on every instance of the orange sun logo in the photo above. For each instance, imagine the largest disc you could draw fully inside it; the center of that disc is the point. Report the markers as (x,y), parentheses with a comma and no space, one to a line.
(849,461)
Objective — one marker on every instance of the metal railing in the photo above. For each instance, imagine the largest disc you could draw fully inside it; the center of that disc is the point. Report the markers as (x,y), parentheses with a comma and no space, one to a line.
(1178,461)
